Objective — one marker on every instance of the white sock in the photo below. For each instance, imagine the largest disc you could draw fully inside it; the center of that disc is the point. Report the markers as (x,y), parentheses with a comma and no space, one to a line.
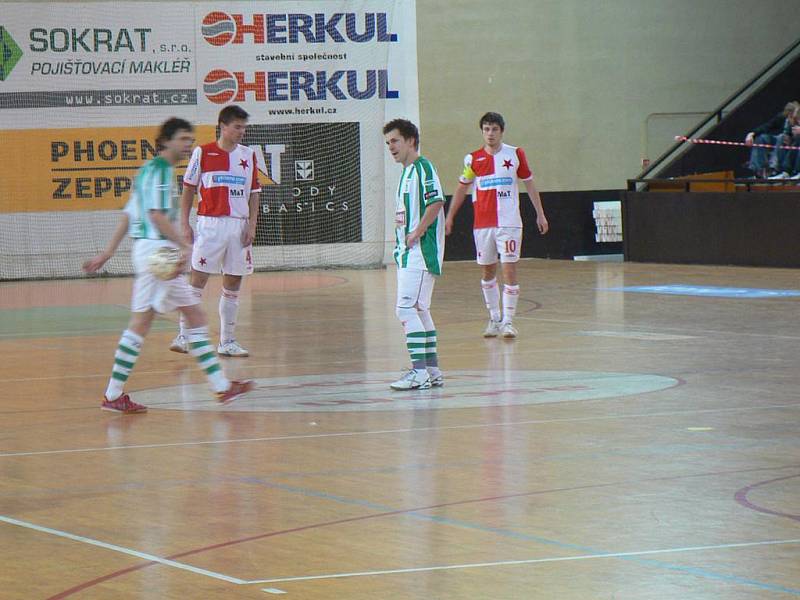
(198,292)
(228,309)
(491,294)
(128,349)
(510,297)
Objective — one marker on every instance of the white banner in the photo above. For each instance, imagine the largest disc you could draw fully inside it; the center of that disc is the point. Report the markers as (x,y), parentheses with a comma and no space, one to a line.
(78,80)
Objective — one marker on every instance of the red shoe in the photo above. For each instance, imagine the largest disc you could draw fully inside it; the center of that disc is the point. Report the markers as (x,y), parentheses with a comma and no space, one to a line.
(123,405)
(237,389)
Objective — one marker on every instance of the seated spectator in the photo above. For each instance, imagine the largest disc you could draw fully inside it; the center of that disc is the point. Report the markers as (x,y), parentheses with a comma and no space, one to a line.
(789,160)
(764,161)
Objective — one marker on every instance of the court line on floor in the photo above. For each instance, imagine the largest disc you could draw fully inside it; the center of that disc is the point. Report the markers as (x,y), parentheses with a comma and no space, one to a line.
(395,431)
(741,497)
(553,559)
(414,512)
(512,534)
(143,555)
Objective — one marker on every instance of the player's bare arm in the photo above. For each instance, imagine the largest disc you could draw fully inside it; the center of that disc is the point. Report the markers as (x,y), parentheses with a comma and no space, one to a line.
(455,205)
(431,212)
(249,235)
(187,199)
(94,264)
(536,200)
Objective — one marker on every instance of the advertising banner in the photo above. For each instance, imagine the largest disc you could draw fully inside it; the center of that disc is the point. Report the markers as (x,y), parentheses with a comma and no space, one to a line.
(83,87)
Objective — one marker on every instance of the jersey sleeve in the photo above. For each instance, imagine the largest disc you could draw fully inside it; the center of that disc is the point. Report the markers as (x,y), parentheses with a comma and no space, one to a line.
(157,195)
(468,175)
(192,174)
(523,170)
(431,187)
(255,186)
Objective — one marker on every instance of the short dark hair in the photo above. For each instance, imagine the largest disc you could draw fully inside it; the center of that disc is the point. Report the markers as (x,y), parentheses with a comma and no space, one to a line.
(406,128)
(492,117)
(232,113)
(169,128)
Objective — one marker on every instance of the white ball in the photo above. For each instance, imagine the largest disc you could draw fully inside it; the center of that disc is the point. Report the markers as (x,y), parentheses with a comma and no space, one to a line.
(163,263)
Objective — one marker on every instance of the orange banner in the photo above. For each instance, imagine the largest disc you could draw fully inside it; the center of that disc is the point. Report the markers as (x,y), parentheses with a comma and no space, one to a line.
(49,170)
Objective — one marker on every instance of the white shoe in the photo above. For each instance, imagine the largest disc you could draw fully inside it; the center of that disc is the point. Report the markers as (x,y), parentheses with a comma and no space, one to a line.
(180,344)
(492,329)
(231,348)
(509,331)
(413,380)
(795,176)
(437,381)
(783,175)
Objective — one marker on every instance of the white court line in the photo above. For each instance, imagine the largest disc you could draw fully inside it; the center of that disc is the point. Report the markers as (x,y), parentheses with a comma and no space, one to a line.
(128,551)
(524,562)
(281,438)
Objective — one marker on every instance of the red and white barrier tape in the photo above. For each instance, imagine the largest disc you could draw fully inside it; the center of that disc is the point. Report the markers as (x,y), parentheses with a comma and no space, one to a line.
(683,138)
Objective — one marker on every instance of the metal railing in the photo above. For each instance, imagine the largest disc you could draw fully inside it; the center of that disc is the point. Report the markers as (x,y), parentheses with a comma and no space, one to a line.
(727,106)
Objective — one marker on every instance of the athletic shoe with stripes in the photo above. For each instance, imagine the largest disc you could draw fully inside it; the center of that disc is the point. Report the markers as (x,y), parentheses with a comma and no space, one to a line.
(413,380)
(180,344)
(123,405)
(232,348)
(509,331)
(237,390)
(492,329)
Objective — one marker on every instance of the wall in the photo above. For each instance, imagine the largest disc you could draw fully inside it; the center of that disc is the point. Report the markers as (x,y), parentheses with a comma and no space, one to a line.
(757,229)
(576,79)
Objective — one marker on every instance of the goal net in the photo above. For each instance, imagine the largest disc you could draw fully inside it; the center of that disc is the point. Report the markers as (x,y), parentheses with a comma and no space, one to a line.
(84,86)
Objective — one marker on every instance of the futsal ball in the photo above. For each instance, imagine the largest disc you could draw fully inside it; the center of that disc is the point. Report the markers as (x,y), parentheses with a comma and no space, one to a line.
(163,263)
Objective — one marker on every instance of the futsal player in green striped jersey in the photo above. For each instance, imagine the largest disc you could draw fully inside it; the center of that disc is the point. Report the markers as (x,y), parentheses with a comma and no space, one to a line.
(419,252)
(150,218)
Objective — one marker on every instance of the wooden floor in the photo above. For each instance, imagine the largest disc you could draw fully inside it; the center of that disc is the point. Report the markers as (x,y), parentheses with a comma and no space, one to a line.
(627,446)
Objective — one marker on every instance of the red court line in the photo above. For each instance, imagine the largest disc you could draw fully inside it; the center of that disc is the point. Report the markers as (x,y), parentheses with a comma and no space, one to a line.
(741,498)
(93,582)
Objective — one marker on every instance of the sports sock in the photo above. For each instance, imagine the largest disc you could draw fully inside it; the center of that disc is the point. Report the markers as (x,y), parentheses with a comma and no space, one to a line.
(128,349)
(491,294)
(415,336)
(431,356)
(201,349)
(198,292)
(510,297)
(228,310)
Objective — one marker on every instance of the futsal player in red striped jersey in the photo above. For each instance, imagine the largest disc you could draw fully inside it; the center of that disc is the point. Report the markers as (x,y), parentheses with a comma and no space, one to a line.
(225,176)
(493,170)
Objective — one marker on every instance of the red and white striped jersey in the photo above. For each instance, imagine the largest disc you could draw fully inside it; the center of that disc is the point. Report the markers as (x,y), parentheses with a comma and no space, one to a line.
(224,180)
(495,198)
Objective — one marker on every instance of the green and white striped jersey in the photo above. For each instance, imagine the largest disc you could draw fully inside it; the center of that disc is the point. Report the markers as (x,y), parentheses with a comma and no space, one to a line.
(419,188)
(154,188)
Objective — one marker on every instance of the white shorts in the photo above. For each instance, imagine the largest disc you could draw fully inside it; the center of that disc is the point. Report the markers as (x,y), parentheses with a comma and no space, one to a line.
(491,241)
(150,292)
(218,246)
(414,288)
